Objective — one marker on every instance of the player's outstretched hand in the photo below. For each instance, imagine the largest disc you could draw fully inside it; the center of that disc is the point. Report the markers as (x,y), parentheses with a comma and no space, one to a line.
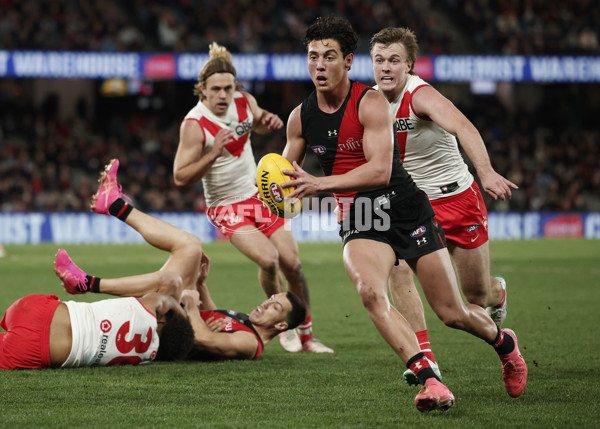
(271,121)
(496,185)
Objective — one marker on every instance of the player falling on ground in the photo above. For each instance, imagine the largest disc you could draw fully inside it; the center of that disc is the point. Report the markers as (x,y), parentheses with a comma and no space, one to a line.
(43,332)
(214,146)
(427,126)
(217,333)
(385,217)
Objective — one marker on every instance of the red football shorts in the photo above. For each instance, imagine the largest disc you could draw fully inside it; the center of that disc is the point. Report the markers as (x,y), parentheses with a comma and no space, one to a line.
(463,218)
(252,212)
(25,344)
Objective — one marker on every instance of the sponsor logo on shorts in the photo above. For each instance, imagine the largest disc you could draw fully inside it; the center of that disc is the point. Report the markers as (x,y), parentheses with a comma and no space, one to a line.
(319,150)
(473,228)
(276,192)
(418,232)
(232,219)
(421,241)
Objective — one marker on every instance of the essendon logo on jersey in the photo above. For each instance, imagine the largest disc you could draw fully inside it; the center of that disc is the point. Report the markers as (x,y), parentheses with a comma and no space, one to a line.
(319,150)
(418,232)
(276,192)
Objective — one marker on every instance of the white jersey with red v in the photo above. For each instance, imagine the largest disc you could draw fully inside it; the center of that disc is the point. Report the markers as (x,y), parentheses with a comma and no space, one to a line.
(233,173)
(429,153)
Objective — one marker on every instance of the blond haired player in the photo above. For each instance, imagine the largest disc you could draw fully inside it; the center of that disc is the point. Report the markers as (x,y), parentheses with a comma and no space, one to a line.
(427,126)
(214,146)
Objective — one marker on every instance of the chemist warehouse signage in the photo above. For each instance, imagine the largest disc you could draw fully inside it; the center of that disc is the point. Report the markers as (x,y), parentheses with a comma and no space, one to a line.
(291,67)
(318,226)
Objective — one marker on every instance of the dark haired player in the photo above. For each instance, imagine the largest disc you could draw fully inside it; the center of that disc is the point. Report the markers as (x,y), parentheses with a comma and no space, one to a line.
(385,217)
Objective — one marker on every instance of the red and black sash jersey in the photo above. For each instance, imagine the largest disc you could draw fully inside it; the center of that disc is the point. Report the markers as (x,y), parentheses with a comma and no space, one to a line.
(336,138)
(234,322)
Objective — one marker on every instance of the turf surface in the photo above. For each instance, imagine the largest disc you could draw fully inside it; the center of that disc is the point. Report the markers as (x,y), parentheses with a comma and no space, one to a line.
(554,294)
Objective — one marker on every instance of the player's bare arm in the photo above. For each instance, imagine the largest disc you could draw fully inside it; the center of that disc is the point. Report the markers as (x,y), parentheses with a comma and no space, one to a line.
(206,301)
(236,345)
(264,121)
(428,102)
(192,162)
(378,148)
(295,148)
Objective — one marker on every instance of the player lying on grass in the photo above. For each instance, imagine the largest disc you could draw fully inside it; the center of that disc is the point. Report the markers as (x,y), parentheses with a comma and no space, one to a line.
(228,334)
(43,332)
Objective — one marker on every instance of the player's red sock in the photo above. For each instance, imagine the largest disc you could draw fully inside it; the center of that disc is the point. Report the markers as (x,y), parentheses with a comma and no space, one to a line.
(305,330)
(425,345)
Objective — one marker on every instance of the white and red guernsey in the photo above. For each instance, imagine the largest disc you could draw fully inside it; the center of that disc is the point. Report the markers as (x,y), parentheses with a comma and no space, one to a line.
(233,173)
(428,152)
(111,332)
(336,138)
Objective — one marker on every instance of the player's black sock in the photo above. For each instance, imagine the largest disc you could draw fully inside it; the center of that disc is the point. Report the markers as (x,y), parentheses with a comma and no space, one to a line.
(120,209)
(421,368)
(94,283)
(503,343)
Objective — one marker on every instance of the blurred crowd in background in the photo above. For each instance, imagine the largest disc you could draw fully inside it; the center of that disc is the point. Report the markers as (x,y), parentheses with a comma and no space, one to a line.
(49,160)
(528,27)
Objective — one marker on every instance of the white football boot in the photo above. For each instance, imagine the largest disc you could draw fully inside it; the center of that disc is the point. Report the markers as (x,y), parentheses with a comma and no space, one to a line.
(498,314)
(290,341)
(315,346)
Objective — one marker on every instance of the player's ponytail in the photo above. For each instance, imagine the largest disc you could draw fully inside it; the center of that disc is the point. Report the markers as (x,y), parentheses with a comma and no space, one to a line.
(219,61)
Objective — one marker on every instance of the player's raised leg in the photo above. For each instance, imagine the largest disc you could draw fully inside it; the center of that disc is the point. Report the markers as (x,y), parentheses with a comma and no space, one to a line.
(184,249)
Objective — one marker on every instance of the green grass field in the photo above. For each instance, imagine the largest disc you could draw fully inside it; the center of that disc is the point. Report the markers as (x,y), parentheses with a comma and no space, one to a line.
(554,295)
